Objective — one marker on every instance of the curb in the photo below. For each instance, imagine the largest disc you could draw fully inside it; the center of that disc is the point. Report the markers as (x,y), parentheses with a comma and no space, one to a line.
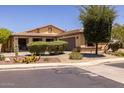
(51,65)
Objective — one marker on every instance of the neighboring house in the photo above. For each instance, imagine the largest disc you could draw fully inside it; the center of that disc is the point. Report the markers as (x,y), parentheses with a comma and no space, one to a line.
(75,38)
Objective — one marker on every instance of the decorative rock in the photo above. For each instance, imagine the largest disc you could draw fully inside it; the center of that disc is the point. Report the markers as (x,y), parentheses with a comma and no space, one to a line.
(7,59)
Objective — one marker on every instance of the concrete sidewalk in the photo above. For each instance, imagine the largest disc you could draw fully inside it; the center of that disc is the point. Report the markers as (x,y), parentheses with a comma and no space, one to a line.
(90,63)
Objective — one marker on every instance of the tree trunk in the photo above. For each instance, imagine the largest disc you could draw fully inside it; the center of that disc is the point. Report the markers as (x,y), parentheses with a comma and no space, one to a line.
(96,52)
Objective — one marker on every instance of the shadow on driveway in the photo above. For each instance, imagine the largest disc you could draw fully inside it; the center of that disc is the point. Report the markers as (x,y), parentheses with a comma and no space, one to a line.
(91,55)
(120,65)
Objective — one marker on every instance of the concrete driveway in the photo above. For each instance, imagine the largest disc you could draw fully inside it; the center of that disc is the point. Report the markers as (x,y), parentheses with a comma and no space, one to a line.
(68,77)
(113,70)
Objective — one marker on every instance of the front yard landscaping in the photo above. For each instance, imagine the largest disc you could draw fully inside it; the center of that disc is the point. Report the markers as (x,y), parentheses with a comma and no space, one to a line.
(26,58)
(29,59)
(38,52)
(53,52)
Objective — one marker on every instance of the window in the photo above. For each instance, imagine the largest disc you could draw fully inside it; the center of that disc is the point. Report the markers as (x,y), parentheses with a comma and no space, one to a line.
(48,40)
(90,44)
(50,29)
(37,39)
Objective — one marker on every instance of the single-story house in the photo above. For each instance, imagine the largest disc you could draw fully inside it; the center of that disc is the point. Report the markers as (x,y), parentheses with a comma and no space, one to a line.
(75,38)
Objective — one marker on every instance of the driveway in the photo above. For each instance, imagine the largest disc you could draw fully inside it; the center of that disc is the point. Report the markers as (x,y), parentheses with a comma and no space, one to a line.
(113,70)
(68,77)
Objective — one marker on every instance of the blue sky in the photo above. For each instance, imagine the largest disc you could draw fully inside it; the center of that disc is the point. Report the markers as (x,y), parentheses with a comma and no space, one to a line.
(21,18)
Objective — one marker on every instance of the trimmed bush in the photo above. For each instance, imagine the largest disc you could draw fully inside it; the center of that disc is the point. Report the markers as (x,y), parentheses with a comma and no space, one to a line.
(57,47)
(54,47)
(37,48)
(114,45)
(76,56)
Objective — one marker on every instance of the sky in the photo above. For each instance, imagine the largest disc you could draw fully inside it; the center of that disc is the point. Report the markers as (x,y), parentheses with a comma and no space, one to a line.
(22,18)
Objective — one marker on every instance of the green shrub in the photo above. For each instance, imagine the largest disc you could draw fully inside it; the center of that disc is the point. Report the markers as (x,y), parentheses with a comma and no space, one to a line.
(57,47)
(2,57)
(60,45)
(54,47)
(38,47)
(114,45)
(119,54)
(76,55)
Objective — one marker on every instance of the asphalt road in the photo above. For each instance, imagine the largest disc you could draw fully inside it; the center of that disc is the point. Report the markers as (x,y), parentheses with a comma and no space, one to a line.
(55,78)
(119,65)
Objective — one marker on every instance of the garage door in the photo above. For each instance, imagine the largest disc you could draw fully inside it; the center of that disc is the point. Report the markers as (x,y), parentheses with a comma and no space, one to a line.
(71,43)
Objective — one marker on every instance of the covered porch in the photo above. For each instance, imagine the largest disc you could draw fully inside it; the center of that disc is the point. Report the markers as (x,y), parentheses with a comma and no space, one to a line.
(20,42)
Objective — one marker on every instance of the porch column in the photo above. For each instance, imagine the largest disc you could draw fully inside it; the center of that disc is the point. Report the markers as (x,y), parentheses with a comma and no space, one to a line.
(15,43)
(44,39)
(55,39)
(30,40)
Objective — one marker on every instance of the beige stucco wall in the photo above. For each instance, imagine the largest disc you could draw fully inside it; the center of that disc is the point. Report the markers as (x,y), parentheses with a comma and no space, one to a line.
(81,39)
(45,30)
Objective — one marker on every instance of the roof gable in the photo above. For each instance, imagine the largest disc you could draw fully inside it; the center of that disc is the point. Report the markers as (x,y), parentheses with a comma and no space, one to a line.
(46,30)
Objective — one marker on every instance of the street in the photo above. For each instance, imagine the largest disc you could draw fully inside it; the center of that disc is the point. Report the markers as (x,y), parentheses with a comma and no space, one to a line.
(68,77)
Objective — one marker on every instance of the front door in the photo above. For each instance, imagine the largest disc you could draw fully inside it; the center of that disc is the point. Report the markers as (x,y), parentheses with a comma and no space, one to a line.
(22,44)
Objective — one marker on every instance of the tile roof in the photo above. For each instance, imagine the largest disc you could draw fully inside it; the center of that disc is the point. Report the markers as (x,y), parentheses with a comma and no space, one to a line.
(71,32)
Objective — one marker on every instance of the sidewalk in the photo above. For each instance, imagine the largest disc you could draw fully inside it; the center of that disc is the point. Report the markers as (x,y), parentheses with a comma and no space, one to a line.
(90,63)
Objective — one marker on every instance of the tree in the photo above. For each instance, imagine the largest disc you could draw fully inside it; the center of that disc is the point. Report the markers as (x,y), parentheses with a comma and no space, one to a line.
(97,22)
(118,33)
(4,36)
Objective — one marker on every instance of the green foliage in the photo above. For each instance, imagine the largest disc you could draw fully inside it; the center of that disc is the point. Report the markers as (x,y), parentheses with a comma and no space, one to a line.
(114,45)
(2,57)
(97,21)
(40,47)
(119,53)
(4,35)
(118,33)
(27,59)
(57,47)
(75,56)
